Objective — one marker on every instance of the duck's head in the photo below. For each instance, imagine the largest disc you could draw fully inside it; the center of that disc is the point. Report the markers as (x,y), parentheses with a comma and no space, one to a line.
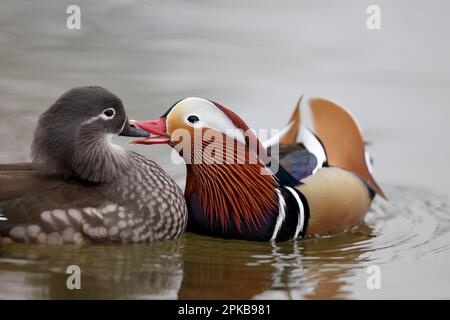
(237,170)
(77,126)
(191,115)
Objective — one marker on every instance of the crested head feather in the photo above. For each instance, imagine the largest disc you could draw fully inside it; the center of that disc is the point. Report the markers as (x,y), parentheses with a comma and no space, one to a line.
(258,148)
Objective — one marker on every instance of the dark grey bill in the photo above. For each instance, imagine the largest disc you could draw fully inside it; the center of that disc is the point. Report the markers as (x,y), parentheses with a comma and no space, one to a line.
(131,130)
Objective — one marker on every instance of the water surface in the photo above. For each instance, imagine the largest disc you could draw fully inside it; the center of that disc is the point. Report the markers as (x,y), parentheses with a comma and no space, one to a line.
(257,57)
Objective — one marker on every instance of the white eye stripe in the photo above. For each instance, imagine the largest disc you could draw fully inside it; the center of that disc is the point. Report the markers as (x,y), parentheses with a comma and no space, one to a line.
(108,114)
(209,115)
(101,115)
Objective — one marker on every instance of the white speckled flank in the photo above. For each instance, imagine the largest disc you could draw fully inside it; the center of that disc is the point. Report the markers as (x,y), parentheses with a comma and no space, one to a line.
(81,187)
(110,208)
(54,238)
(74,216)
(67,235)
(113,231)
(122,224)
(18,233)
(61,217)
(78,238)
(142,206)
(6,240)
(33,231)
(47,219)
(41,238)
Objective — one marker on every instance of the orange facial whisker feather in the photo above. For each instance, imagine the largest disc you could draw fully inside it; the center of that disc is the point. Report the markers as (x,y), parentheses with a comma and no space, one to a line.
(238,192)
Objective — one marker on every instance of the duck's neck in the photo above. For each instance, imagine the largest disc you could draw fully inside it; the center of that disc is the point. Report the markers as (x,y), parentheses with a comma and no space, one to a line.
(99,160)
(237,195)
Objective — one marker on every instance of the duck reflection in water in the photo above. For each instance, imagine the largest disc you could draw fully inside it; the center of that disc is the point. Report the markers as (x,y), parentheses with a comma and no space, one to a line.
(193,267)
(151,271)
(309,269)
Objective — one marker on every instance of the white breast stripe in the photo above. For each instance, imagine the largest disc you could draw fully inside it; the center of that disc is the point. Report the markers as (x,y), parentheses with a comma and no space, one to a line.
(281,215)
(301,212)
(313,145)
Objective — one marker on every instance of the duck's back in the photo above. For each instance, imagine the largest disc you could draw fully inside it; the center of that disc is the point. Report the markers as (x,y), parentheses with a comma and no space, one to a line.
(32,197)
(17,179)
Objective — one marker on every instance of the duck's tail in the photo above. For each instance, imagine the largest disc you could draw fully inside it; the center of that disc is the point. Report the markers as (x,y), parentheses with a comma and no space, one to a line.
(338,133)
(342,139)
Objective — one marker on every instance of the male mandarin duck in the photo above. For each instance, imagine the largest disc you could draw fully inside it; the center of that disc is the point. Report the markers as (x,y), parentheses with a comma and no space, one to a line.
(325,188)
(83,188)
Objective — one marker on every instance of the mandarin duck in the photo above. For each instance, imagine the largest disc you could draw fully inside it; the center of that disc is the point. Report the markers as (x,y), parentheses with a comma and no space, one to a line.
(81,187)
(235,189)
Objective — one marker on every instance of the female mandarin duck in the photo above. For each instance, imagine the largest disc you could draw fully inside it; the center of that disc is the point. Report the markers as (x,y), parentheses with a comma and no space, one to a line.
(82,187)
(325,188)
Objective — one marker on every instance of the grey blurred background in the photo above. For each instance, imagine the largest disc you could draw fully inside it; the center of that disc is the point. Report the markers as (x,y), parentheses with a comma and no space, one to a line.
(257,57)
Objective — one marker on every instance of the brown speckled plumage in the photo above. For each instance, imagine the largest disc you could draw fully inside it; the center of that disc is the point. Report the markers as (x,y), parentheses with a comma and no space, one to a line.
(83,188)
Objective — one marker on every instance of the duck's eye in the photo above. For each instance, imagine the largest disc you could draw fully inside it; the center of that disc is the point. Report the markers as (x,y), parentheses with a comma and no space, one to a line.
(193,119)
(108,113)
